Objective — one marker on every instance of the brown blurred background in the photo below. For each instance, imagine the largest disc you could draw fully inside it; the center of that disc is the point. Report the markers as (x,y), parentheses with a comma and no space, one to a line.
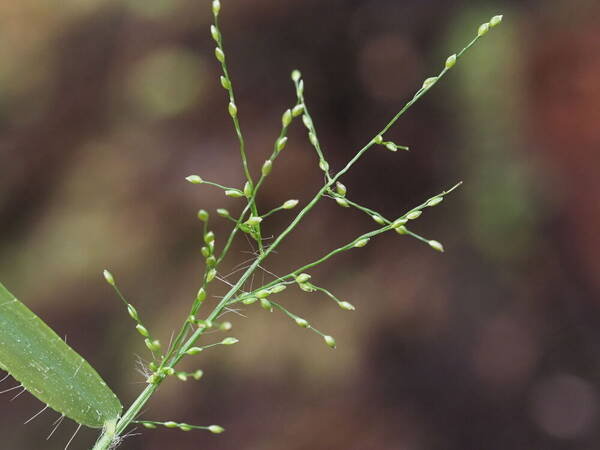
(105,107)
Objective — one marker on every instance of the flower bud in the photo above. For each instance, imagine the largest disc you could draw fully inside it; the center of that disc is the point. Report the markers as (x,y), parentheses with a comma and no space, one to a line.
(149,425)
(198,374)
(429,82)
(182,376)
(216,429)
(171,424)
(205,252)
(108,277)
(296,75)
(223,213)
(214,32)
(361,243)
(247,189)
(152,366)
(346,306)
(225,326)
(216,7)
(378,139)
(185,427)
(435,201)
(230,341)
(330,341)
(286,118)
(451,61)
(219,55)
(391,146)
(194,179)
(297,110)
(168,371)
(323,165)
(496,20)
(302,278)
(209,237)
(290,204)
(483,29)
(232,110)
(235,193)
(211,261)
(281,143)
(342,202)
(253,220)
(142,330)
(436,246)
(378,219)
(301,322)
(341,189)
(414,215)
(201,295)
(225,83)
(203,215)
(249,300)
(266,167)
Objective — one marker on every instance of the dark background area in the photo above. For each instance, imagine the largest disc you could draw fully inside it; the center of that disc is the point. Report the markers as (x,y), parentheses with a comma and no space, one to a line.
(105,107)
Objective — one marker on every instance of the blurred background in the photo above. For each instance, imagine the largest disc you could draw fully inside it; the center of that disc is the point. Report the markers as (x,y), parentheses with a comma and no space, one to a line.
(105,107)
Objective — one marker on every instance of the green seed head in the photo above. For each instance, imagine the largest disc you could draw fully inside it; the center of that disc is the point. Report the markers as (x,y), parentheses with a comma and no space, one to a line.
(290,204)
(378,219)
(398,223)
(223,213)
(346,306)
(263,293)
(278,288)
(234,193)
(266,305)
(342,202)
(286,118)
(297,110)
(225,83)
(194,350)
(219,55)
(378,139)
(496,20)
(302,323)
(232,110)
(401,229)
(132,312)
(209,237)
(451,61)
(149,425)
(212,273)
(361,243)
(214,32)
(253,221)
(330,341)
(171,424)
(414,215)
(341,189)
(296,75)
(267,167)
(194,179)
(230,341)
(391,146)
(483,29)
(108,277)
(281,143)
(247,189)
(198,374)
(142,330)
(302,278)
(225,326)
(216,429)
(201,296)
(436,246)
(203,215)
(429,82)
(435,201)
(249,300)
(216,7)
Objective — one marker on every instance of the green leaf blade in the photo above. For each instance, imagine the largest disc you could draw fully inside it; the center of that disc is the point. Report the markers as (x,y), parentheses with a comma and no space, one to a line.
(51,370)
